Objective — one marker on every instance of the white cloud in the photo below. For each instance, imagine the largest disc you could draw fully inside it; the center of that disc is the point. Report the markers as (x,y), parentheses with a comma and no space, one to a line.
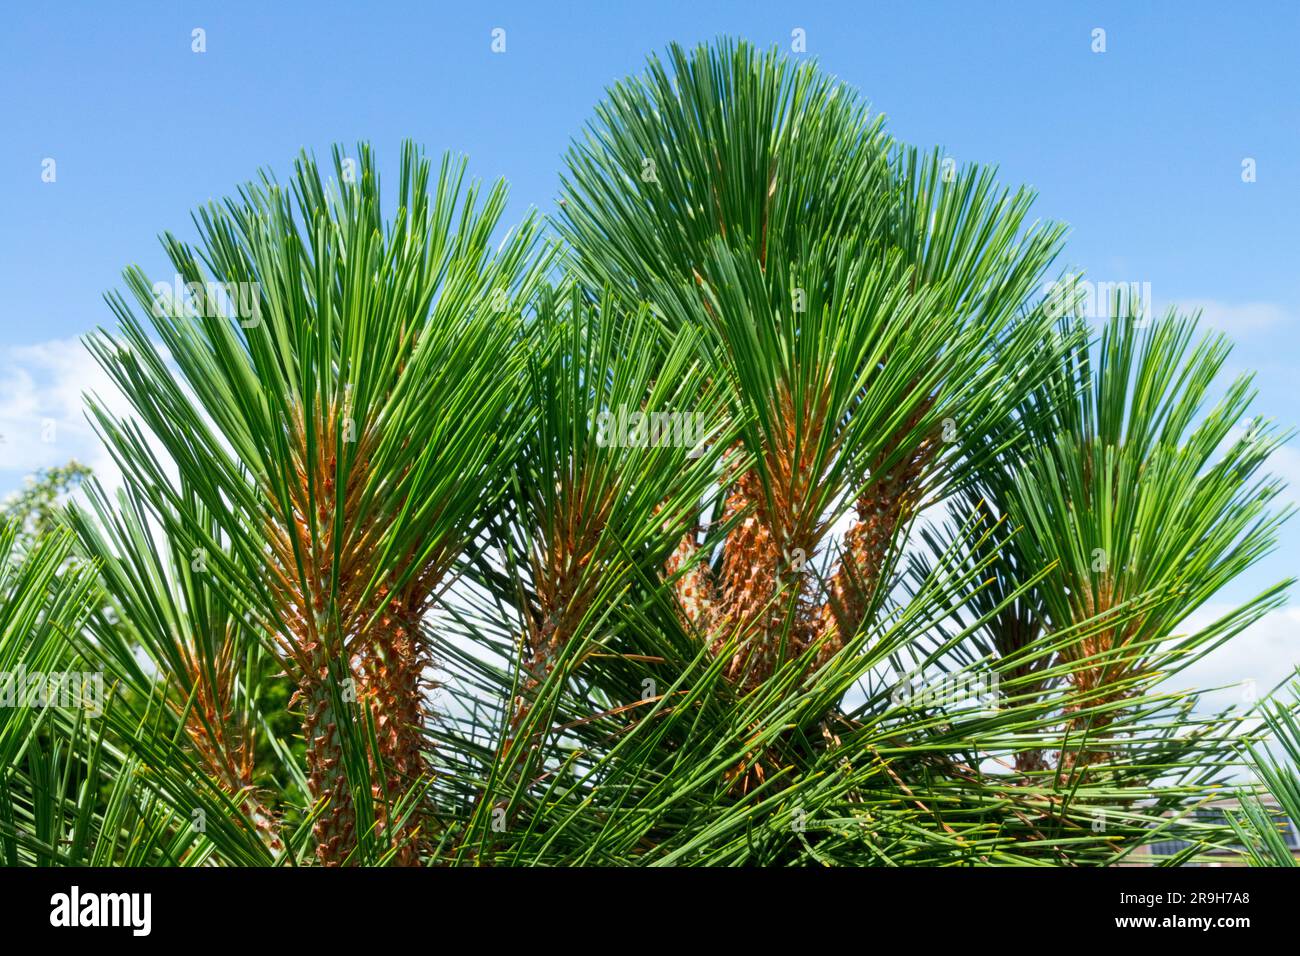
(1254,662)
(1240,318)
(42,412)
(1284,463)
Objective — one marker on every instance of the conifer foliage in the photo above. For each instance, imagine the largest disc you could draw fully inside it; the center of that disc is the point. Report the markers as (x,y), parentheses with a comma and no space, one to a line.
(756,508)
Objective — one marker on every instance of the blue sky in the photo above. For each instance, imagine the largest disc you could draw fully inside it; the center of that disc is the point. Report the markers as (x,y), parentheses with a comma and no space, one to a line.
(1139,148)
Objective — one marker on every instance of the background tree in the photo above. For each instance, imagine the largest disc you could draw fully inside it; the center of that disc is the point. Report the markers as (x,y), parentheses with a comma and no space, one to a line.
(35,507)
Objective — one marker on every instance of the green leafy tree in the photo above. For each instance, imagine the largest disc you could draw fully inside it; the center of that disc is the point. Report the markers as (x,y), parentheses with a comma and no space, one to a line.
(772,515)
(36,507)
